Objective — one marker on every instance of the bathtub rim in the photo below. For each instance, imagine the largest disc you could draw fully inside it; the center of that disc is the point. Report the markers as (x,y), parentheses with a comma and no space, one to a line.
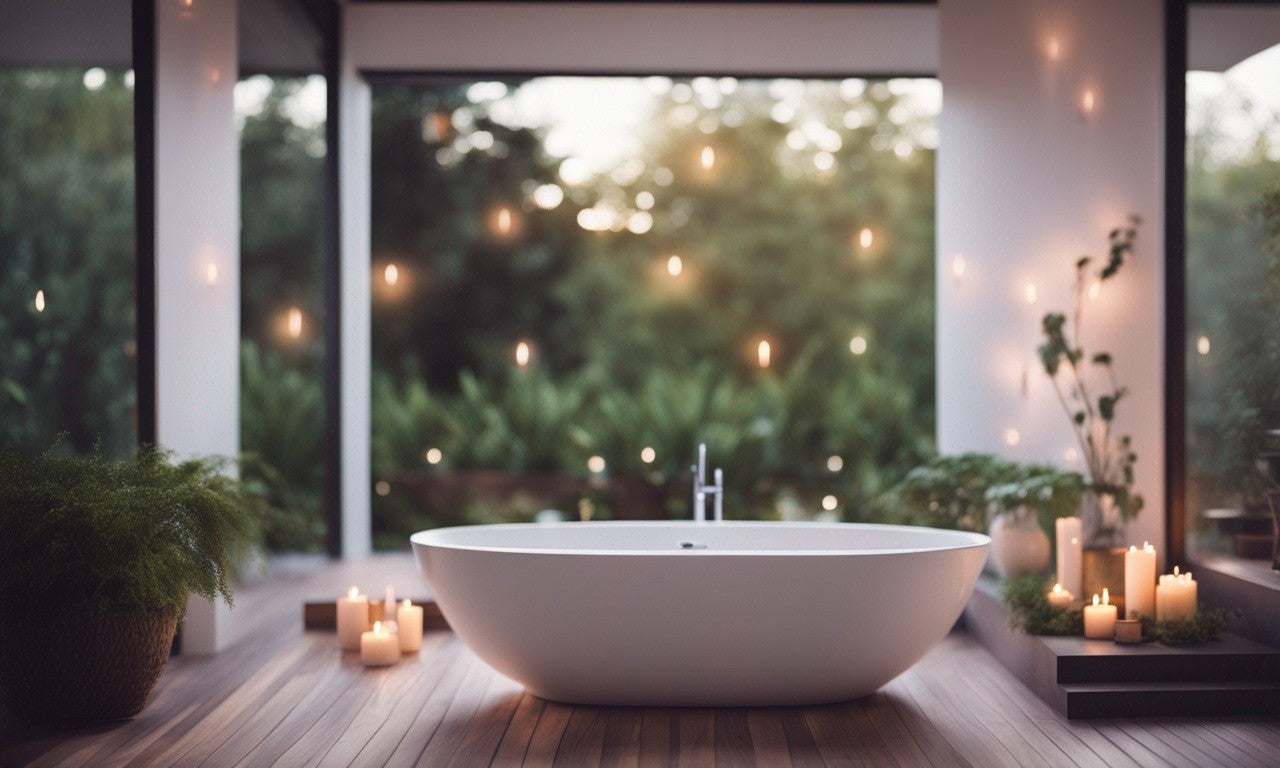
(963,539)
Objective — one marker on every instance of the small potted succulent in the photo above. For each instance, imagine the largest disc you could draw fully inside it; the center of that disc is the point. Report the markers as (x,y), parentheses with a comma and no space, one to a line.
(98,558)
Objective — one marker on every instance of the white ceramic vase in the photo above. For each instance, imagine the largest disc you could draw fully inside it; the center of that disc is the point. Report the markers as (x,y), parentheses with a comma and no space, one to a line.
(1018,544)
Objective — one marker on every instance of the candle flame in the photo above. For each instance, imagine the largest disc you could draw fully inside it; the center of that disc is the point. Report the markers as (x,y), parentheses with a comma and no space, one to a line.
(1175,570)
(1095,599)
(1106,598)
(1057,588)
(377,627)
(406,603)
(1133,548)
(353,593)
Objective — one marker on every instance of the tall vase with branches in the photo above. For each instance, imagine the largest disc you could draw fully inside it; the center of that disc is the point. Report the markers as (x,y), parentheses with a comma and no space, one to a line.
(1108,456)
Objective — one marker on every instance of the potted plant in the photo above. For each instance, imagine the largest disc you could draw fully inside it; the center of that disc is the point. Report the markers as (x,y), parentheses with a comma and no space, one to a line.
(1110,499)
(1021,510)
(99,558)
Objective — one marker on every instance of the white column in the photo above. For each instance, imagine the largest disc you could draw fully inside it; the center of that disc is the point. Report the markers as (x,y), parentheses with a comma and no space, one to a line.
(1029,180)
(197,250)
(354,193)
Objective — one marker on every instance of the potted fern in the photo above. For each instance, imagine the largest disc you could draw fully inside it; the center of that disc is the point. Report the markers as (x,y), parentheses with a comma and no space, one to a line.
(1110,499)
(99,558)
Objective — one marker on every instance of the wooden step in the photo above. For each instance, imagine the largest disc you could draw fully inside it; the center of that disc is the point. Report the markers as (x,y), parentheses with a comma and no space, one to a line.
(1230,657)
(1171,699)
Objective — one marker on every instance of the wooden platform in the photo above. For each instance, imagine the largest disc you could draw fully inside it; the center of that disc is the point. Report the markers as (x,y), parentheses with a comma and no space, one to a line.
(1099,678)
(282,696)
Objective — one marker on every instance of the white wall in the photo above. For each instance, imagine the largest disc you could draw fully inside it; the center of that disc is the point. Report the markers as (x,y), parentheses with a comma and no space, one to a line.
(197,226)
(570,37)
(1026,184)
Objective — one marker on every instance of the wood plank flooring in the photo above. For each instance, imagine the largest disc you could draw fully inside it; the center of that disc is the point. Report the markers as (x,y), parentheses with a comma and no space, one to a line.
(281,696)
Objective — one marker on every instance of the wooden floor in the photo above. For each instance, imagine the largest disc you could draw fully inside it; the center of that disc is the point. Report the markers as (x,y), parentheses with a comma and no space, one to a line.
(280,696)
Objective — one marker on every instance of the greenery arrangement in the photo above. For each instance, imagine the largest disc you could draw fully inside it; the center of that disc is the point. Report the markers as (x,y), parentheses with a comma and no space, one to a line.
(963,491)
(1026,600)
(1108,458)
(1205,625)
(109,536)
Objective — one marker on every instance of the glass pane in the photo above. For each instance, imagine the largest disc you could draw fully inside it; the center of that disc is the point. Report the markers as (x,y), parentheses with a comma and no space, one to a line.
(1233,301)
(282,150)
(577,279)
(67,259)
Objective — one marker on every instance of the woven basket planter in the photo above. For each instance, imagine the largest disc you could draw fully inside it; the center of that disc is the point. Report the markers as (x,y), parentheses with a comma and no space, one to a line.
(68,664)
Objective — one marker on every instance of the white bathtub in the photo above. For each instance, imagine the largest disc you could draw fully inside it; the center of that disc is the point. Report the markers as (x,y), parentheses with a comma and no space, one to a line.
(753,614)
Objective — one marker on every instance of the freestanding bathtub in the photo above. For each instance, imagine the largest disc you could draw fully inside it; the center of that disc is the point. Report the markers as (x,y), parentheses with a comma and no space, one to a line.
(700,614)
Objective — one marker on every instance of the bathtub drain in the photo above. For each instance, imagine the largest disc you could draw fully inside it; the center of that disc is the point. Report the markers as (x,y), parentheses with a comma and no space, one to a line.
(692,545)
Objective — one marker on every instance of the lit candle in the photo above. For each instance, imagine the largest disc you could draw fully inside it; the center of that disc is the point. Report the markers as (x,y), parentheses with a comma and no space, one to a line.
(1140,581)
(1070,552)
(1175,596)
(1100,618)
(1060,598)
(379,648)
(389,605)
(353,618)
(409,617)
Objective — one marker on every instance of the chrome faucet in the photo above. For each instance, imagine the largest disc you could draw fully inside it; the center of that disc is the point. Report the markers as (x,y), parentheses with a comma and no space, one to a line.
(701,490)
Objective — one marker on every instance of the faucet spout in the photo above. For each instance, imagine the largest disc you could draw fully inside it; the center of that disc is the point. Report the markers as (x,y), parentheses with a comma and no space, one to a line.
(701,490)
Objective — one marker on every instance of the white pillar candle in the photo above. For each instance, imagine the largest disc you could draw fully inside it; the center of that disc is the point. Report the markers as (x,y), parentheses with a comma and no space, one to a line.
(409,617)
(1140,581)
(1100,618)
(1176,596)
(353,618)
(378,647)
(1059,597)
(1070,534)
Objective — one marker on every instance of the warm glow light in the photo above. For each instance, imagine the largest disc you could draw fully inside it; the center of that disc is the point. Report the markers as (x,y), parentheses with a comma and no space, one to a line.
(522,354)
(865,237)
(1088,101)
(1070,455)
(434,455)
(858,345)
(1095,289)
(647,454)
(1106,597)
(764,354)
(391,274)
(211,273)
(675,266)
(707,158)
(1029,293)
(377,628)
(294,322)
(382,488)
(1095,599)
(830,502)
(958,267)
(1011,437)
(596,464)
(39,301)
(1053,48)
(1202,345)
(503,220)
(1057,588)
(835,464)
(353,593)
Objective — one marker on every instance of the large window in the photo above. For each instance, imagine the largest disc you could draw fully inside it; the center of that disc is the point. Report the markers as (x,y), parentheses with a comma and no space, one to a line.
(67,345)
(578,279)
(1233,301)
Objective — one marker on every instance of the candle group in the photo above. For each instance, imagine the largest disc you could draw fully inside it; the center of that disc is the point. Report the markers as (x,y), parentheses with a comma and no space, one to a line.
(1140,581)
(1176,596)
(1100,618)
(372,628)
(1070,534)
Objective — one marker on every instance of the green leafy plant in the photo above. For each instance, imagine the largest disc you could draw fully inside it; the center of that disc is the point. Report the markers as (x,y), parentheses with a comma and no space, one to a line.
(1109,458)
(1205,625)
(1026,599)
(107,536)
